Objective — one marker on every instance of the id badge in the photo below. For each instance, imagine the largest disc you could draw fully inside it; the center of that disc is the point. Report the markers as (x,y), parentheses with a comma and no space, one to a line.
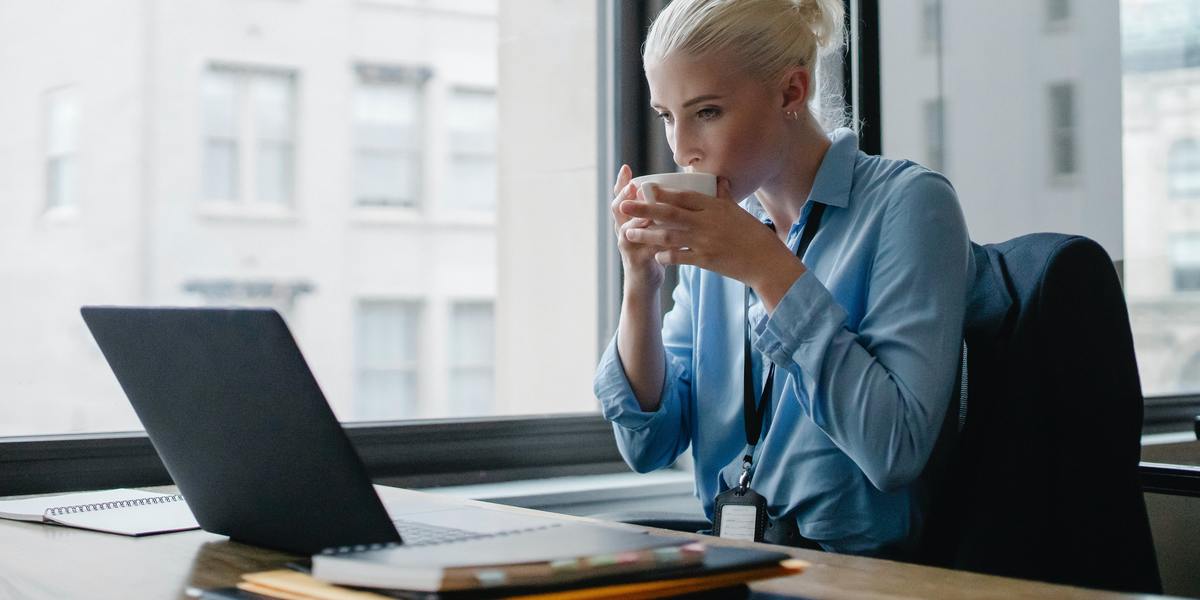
(740,515)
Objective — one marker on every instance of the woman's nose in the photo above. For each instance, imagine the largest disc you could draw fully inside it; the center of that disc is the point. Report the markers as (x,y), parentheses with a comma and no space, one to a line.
(685,150)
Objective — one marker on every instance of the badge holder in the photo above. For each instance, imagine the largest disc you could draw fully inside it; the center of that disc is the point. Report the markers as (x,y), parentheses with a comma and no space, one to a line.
(740,513)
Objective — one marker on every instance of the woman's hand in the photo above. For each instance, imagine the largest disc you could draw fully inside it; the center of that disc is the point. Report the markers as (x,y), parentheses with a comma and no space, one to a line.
(714,234)
(642,272)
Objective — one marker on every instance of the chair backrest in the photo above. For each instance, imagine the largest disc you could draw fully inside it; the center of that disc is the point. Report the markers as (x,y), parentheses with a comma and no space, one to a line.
(1042,482)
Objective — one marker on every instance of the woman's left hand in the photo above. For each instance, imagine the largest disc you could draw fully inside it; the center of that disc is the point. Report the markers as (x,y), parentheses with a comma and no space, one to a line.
(717,235)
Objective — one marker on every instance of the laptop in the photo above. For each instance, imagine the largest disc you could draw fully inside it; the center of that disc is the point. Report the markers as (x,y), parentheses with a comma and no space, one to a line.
(243,429)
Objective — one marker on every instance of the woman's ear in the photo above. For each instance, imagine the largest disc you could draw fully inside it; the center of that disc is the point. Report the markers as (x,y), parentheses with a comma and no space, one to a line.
(796,86)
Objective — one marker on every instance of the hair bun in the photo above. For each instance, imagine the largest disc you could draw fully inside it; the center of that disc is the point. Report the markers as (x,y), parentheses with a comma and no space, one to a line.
(824,18)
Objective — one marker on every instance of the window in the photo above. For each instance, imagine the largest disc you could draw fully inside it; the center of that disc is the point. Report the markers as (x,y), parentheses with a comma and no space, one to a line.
(268,163)
(931,25)
(472,358)
(1183,169)
(1123,138)
(1185,262)
(471,125)
(388,112)
(1062,129)
(387,335)
(62,148)
(934,137)
(248,136)
(1058,12)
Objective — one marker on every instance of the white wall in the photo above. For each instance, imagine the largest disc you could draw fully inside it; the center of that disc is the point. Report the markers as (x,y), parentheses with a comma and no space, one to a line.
(547,220)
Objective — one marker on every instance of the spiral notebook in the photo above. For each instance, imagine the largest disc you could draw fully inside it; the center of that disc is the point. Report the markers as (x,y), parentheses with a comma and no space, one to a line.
(123,511)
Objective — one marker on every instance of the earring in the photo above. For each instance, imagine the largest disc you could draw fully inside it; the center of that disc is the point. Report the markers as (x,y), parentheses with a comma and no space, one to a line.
(793,115)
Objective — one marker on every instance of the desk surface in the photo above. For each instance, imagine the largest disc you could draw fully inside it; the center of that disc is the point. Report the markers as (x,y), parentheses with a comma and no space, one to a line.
(42,561)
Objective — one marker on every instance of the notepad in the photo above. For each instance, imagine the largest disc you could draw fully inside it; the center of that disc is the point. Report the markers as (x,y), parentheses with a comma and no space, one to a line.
(122,511)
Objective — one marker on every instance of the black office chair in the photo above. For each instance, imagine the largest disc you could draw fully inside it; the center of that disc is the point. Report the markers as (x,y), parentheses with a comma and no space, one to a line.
(1042,481)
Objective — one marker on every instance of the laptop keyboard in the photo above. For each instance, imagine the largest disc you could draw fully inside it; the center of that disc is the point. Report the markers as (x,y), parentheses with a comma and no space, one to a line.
(418,534)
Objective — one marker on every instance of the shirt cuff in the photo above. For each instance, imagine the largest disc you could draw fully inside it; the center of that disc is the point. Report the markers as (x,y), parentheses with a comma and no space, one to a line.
(619,404)
(806,317)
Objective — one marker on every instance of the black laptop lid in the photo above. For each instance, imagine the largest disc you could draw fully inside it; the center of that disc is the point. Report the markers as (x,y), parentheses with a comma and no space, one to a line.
(241,425)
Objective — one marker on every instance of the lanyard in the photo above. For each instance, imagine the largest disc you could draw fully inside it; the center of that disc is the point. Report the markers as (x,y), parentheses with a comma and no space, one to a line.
(754,414)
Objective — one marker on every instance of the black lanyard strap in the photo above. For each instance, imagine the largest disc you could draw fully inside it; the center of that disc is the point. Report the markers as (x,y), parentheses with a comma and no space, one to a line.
(754,414)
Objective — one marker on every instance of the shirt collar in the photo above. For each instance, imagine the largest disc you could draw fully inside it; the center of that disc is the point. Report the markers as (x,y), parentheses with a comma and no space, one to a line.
(834,177)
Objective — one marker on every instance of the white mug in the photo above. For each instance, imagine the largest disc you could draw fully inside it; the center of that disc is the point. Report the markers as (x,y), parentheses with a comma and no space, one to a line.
(704,183)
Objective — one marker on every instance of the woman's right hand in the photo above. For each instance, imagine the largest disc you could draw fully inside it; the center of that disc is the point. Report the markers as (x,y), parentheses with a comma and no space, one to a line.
(642,271)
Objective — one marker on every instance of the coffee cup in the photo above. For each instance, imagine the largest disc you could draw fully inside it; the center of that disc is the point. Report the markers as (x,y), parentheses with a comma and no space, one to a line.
(703,183)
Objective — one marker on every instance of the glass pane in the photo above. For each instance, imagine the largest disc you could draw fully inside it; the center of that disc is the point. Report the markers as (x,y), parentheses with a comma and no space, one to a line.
(272,97)
(471,392)
(472,121)
(61,188)
(1102,98)
(220,170)
(386,178)
(471,335)
(1161,66)
(62,122)
(386,114)
(274,177)
(387,335)
(386,395)
(219,94)
(1183,169)
(245,108)
(472,183)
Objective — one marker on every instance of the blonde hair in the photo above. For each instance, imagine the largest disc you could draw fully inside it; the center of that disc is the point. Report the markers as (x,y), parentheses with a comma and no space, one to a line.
(768,37)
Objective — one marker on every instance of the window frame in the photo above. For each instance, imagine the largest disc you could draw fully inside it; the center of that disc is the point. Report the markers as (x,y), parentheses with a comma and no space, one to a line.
(418,77)
(1182,156)
(453,451)
(247,140)
(494,449)
(54,200)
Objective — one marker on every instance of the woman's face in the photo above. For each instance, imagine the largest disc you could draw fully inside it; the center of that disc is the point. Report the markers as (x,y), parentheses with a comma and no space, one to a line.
(719,120)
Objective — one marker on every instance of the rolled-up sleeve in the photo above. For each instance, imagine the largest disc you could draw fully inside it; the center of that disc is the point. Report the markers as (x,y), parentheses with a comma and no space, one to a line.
(652,440)
(880,394)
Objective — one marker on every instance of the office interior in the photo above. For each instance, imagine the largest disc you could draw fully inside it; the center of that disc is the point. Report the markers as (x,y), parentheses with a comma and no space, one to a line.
(421,188)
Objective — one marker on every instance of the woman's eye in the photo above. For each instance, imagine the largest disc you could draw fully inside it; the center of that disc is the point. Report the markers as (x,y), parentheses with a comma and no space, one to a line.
(666,117)
(709,113)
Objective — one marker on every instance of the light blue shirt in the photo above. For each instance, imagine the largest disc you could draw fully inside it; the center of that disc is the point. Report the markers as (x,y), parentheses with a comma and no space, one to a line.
(866,346)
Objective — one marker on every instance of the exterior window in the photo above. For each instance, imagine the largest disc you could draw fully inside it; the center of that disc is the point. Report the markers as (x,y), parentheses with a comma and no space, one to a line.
(62,148)
(1058,12)
(472,362)
(934,135)
(1063,158)
(931,25)
(388,157)
(1183,169)
(1185,262)
(249,138)
(471,129)
(386,341)
(348,181)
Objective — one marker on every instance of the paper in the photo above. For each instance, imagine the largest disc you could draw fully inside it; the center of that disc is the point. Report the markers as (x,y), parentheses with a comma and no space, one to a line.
(737,522)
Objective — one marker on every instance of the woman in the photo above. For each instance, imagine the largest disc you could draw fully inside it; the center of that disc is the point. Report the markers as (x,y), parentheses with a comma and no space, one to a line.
(859,336)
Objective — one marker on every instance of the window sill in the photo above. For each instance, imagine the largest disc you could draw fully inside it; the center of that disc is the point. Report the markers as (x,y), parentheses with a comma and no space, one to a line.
(413,217)
(229,211)
(61,214)
(567,490)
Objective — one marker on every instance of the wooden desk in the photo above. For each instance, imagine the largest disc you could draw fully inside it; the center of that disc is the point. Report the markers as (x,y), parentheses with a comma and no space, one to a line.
(48,562)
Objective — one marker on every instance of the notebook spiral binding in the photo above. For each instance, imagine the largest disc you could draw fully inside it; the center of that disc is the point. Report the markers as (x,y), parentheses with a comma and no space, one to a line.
(79,508)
